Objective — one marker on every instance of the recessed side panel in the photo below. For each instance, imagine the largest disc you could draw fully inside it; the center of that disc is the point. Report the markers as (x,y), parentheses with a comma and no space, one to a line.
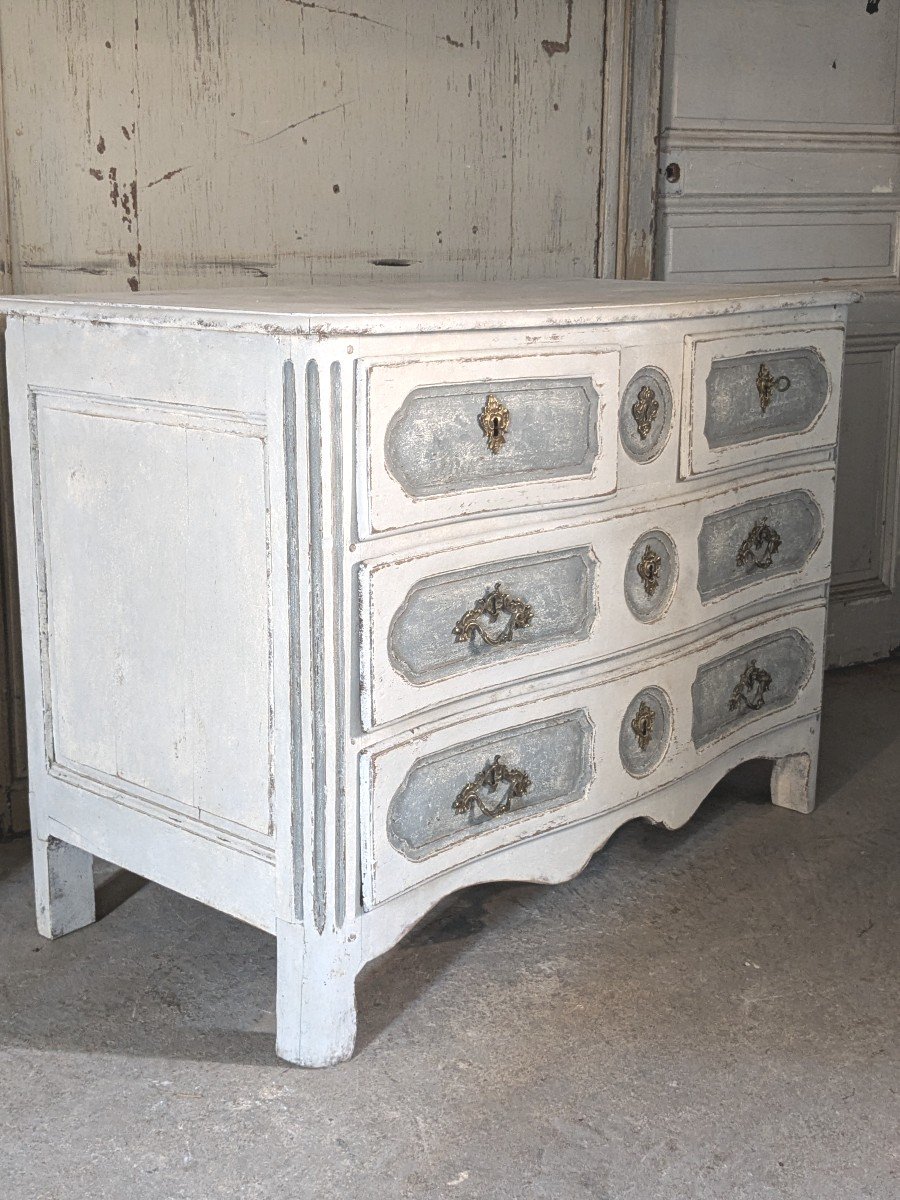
(155,541)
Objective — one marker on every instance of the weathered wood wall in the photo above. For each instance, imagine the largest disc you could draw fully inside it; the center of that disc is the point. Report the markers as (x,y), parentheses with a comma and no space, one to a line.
(160,143)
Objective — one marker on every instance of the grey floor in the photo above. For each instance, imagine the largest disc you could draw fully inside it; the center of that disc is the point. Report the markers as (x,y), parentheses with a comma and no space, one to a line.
(707,1013)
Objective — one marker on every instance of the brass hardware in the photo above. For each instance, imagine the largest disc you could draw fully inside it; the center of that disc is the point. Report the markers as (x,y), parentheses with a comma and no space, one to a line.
(491,778)
(642,724)
(759,547)
(494,422)
(492,604)
(645,410)
(649,568)
(755,682)
(767,385)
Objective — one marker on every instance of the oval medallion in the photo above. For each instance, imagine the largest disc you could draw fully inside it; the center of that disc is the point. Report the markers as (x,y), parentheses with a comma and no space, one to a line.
(650,575)
(646,731)
(645,415)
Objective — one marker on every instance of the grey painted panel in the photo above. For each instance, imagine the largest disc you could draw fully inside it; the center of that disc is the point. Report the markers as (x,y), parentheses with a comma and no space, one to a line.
(787,658)
(559,588)
(648,602)
(436,446)
(734,413)
(794,516)
(555,754)
(637,758)
(646,448)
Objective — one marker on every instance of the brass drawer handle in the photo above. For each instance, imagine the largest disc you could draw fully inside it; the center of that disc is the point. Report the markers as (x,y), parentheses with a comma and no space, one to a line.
(645,410)
(759,547)
(490,779)
(751,688)
(492,605)
(649,568)
(767,385)
(494,422)
(642,725)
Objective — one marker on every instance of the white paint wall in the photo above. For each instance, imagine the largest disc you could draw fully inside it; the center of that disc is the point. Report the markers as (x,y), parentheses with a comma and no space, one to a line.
(160,143)
(782,117)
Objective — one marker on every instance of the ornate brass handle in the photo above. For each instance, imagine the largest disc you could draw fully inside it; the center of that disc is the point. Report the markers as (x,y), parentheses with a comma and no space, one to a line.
(645,411)
(767,385)
(491,605)
(759,547)
(751,688)
(490,779)
(494,422)
(649,570)
(642,725)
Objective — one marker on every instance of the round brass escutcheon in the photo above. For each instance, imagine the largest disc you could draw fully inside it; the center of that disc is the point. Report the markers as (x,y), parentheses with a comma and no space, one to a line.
(651,574)
(646,731)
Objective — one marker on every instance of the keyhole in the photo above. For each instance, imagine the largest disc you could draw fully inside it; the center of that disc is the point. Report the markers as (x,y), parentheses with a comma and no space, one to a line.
(495,426)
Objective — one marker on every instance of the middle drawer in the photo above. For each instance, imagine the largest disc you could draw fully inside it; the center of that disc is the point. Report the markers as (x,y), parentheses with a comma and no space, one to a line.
(445,625)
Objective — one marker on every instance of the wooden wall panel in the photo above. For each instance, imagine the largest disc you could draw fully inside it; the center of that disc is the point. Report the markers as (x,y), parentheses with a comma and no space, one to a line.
(157,143)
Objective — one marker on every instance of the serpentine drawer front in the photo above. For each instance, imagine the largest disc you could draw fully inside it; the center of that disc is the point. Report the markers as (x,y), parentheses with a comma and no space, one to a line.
(336,602)
(447,624)
(754,395)
(461,793)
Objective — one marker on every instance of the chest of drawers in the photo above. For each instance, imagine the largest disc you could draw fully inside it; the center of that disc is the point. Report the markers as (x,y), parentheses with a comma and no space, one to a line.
(334,603)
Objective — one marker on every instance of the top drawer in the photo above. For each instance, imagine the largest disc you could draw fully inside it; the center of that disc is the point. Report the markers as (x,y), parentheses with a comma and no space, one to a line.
(445,438)
(759,395)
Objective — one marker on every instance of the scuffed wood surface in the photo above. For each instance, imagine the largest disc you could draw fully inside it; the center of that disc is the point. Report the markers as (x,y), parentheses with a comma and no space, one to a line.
(157,143)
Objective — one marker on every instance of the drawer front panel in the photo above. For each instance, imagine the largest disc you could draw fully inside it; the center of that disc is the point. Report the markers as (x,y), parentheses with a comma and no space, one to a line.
(756,680)
(447,439)
(774,536)
(453,622)
(452,795)
(448,797)
(753,396)
(474,436)
(764,395)
(574,595)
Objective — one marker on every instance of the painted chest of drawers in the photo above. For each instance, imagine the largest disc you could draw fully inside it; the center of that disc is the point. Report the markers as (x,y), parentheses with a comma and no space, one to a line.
(336,602)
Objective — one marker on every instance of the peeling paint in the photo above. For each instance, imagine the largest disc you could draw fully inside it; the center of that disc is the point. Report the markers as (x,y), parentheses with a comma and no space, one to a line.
(561,47)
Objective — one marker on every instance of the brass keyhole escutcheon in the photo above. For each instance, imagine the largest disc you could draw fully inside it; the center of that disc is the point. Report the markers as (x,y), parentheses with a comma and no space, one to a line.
(494,422)
(645,410)
(642,725)
(649,569)
(768,384)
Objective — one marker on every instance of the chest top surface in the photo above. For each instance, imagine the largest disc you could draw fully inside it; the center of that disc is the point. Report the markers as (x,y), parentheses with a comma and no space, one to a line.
(408,307)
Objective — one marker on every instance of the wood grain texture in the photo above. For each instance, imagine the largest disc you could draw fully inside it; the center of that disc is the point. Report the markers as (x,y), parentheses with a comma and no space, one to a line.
(163,143)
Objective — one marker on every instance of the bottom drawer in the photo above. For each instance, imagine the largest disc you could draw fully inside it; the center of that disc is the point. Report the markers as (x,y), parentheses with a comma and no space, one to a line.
(430,804)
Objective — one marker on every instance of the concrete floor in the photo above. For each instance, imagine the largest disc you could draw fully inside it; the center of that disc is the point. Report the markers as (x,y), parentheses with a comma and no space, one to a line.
(707,1013)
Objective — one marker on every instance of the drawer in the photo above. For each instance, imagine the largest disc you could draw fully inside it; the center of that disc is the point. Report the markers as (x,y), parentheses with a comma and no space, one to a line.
(773,536)
(447,624)
(750,684)
(753,396)
(453,796)
(448,438)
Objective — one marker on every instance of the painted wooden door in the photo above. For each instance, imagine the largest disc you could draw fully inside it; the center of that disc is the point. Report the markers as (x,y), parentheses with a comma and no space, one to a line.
(780,160)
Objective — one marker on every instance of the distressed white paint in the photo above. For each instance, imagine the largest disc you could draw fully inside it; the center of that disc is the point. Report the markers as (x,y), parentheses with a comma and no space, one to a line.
(200,631)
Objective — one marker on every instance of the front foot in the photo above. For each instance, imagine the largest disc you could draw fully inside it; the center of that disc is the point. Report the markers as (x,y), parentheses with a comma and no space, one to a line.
(63,887)
(316,1004)
(794,783)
